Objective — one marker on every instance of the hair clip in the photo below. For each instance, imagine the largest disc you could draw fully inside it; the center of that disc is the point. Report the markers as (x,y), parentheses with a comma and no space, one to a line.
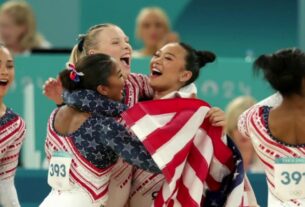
(74,75)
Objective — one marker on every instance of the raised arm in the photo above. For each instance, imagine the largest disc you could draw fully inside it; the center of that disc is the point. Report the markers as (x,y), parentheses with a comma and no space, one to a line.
(141,81)
(52,89)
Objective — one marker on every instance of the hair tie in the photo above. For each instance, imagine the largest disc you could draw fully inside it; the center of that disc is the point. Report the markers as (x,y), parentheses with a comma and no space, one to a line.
(74,75)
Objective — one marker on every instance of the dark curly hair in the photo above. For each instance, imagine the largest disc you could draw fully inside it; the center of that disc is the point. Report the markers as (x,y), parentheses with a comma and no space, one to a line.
(284,70)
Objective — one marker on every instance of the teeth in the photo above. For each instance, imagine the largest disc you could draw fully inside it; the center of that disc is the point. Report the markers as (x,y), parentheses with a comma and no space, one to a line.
(125,60)
(3,81)
(126,55)
(156,70)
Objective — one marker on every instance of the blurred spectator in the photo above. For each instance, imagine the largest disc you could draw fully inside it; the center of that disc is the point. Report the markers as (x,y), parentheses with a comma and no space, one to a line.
(153,29)
(234,109)
(18,28)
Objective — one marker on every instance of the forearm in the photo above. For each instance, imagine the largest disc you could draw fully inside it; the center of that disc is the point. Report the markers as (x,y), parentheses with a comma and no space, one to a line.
(8,193)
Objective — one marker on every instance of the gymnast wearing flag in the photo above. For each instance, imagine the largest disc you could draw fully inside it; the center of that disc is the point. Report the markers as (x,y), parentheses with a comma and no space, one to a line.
(276,126)
(201,167)
(12,134)
(111,40)
(84,140)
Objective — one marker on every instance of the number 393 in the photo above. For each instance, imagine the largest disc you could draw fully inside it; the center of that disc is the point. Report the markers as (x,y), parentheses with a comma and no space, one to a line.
(58,170)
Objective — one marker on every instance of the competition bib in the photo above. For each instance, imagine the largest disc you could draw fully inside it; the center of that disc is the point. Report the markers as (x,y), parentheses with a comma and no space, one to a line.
(289,176)
(59,168)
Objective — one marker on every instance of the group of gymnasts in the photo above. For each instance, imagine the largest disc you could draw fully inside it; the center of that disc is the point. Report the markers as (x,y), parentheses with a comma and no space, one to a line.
(120,139)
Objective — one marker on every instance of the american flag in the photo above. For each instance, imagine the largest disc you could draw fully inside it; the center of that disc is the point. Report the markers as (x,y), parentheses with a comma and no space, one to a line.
(201,167)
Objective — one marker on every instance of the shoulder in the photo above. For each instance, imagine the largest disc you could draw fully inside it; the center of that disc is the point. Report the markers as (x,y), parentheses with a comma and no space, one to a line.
(251,117)
(253,111)
(258,111)
(12,125)
(256,115)
(10,117)
(273,100)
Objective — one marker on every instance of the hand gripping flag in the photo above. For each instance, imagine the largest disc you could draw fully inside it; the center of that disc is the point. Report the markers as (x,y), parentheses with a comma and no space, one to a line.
(200,168)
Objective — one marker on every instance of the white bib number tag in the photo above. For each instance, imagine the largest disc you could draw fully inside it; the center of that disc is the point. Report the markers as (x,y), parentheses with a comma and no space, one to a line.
(59,168)
(289,176)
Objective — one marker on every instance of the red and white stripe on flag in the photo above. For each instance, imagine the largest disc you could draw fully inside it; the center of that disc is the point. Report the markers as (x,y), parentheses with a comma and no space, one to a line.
(179,139)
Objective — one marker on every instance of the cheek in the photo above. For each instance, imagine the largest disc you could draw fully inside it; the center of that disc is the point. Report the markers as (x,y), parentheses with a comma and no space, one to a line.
(11,75)
(17,32)
(121,84)
(107,49)
(114,52)
(172,70)
(144,30)
(118,84)
(162,82)
(9,33)
(145,36)
(118,91)
(161,31)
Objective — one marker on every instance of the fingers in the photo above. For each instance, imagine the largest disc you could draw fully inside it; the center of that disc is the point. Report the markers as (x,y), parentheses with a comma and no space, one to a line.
(49,84)
(213,110)
(216,116)
(52,89)
(193,95)
(218,123)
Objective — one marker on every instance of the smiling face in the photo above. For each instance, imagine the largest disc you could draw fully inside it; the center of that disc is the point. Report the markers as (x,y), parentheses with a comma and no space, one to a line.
(114,89)
(168,71)
(112,41)
(116,85)
(7,72)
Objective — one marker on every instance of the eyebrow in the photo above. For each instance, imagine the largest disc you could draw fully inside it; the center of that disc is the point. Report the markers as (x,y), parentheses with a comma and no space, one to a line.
(8,61)
(171,54)
(115,38)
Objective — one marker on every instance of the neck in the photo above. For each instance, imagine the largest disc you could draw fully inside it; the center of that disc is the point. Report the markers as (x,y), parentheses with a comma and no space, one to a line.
(162,93)
(294,102)
(2,107)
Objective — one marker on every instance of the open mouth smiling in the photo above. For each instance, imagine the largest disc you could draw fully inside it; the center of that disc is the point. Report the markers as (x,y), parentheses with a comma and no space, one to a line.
(125,61)
(156,72)
(3,82)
